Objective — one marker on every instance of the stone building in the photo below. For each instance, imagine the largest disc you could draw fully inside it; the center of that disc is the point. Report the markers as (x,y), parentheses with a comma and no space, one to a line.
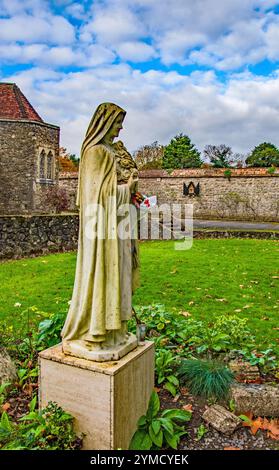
(29,150)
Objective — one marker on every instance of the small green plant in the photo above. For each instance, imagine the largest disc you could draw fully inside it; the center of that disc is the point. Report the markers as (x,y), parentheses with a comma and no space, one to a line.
(228,174)
(265,360)
(232,406)
(3,391)
(25,375)
(49,331)
(164,365)
(157,430)
(201,431)
(271,170)
(209,379)
(48,429)
(226,333)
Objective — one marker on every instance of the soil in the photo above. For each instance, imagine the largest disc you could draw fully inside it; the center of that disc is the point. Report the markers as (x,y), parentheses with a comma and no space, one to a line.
(241,439)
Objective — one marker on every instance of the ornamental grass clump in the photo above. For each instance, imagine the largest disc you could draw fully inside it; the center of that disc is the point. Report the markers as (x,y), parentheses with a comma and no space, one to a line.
(208,379)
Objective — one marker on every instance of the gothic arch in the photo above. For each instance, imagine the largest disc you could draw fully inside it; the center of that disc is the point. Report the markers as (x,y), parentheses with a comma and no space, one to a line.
(42,165)
(50,161)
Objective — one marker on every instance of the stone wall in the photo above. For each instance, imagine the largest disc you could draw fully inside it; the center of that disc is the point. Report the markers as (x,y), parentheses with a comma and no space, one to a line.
(20,145)
(25,236)
(249,194)
(31,235)
(69,181)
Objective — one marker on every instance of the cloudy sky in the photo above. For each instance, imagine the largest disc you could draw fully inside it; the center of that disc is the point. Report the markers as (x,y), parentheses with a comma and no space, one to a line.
(207,68)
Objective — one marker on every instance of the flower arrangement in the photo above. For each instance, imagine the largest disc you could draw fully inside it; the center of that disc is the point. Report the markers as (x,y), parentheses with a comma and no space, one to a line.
(142,201)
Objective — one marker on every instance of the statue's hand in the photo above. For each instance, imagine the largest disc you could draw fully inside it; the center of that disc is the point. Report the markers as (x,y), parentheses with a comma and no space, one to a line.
(132,182)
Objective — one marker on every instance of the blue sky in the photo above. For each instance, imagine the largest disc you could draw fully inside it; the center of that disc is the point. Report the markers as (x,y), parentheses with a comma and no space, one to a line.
(207,68)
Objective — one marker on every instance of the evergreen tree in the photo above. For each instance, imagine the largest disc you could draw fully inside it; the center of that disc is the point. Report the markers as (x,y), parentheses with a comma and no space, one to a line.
(181,153)
(264,155)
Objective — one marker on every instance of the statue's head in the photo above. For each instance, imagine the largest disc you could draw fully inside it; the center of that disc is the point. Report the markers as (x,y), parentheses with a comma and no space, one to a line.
(108,118)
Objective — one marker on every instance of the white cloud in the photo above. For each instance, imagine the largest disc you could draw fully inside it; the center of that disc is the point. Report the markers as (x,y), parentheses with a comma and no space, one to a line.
(135,51)
(112,26)
(241,113)
(28,29)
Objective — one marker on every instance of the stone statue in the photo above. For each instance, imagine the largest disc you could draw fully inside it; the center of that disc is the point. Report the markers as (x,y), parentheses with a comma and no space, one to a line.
(107,263)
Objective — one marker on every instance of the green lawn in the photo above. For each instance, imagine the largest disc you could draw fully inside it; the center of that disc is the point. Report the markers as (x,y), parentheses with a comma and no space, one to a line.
(213,277)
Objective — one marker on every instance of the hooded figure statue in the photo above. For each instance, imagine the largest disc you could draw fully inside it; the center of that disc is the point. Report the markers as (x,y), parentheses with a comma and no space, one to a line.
(95,327)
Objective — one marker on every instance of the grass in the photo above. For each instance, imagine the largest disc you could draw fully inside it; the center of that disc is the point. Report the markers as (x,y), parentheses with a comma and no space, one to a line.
(213,277)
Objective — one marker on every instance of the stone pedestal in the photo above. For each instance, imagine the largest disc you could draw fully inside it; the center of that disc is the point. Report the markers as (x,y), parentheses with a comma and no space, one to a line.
(105,398)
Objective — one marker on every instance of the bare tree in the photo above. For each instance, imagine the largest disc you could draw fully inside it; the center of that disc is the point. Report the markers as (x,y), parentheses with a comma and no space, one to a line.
(149,156)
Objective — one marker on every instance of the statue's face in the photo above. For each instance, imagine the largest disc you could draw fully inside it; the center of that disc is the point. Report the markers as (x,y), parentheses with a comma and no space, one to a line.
(116,127)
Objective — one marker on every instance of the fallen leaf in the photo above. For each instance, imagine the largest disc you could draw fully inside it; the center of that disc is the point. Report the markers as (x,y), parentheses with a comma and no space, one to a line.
(188,407)
(186,314)
(191,302)
(176,398)
(231,448)
(256,425)
(6,406)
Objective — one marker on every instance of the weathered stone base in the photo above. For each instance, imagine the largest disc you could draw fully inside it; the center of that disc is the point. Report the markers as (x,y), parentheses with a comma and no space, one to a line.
(77,349)
(106,398)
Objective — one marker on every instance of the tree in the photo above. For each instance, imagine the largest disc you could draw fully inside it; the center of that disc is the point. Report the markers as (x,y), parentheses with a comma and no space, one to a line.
(219,155)
(264,155)
(149,156)
(67,162)
(181,153)
(56,198)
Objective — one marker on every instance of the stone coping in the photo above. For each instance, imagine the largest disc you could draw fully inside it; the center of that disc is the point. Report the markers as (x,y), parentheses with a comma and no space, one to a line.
(193,173)
(208,172)
(56,354)
(29,121)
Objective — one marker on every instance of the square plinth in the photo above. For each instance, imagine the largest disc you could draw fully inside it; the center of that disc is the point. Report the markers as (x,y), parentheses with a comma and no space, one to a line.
(105,398)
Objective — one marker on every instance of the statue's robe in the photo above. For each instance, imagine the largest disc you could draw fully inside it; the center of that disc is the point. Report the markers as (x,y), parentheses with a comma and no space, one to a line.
(102,294)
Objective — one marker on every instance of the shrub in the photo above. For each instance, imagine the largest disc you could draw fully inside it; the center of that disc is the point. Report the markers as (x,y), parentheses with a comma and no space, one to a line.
(208,379)
(157,430)
(165,364)
(48,429)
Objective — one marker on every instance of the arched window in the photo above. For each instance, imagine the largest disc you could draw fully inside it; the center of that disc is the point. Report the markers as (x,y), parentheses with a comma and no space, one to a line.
(50,166)
(42,164)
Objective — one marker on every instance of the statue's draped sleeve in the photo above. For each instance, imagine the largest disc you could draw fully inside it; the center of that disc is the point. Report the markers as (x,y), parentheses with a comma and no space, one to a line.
(96,301)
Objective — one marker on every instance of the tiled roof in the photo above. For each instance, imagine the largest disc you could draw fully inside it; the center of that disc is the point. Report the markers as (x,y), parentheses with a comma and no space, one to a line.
(14,105)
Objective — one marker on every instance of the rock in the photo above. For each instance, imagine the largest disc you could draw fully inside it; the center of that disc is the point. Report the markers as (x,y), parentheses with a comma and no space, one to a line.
(244,370)
(261,400)
(221,419)
(7,368)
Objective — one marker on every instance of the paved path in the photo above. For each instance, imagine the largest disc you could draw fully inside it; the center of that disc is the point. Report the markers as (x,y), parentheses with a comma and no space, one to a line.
(234,224)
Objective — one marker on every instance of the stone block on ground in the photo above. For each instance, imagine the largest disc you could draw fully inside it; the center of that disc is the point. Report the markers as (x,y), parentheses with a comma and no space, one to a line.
(261,400)
(243,370)
(7,368)
(221,419)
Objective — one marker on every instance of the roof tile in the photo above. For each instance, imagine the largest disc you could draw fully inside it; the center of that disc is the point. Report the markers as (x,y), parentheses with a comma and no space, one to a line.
(14,105)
